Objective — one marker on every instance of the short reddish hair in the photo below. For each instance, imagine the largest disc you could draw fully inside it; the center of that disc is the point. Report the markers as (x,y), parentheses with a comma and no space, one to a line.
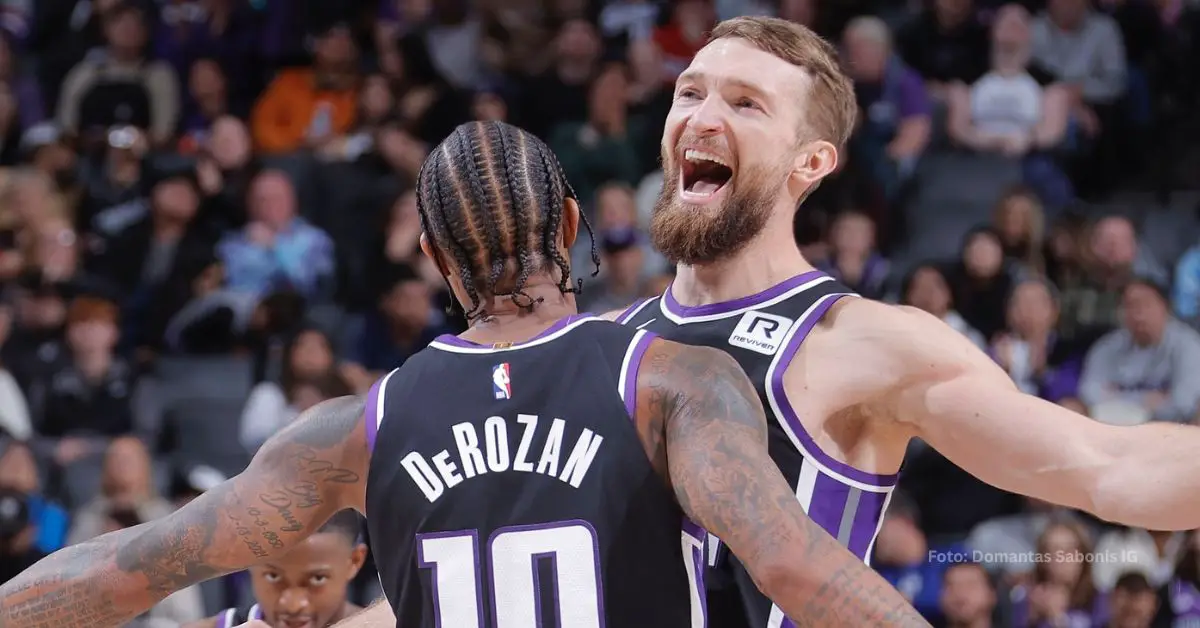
(835,110)
(92,309)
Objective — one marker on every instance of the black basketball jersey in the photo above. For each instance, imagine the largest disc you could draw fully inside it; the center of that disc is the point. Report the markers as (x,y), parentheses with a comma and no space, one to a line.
(508,488)
(763,333)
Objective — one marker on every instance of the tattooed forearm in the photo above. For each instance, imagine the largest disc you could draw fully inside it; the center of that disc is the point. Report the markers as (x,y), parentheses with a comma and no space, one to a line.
(715,450)
(299,479)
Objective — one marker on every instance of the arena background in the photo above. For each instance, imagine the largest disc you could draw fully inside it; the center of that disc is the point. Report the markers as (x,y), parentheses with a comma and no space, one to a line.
(207,226)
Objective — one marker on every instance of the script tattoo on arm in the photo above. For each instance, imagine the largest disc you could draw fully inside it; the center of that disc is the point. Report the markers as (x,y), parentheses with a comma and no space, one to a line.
(701,422)
(301,477)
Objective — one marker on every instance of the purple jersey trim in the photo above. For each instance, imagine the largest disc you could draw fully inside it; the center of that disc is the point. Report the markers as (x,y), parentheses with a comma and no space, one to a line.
(793,419)
(674,308)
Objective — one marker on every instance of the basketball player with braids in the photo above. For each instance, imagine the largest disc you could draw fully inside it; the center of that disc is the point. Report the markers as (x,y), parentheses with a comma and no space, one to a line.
(543,468)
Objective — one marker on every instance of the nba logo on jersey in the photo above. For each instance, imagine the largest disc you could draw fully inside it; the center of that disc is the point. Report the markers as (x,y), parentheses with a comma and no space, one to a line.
(501,381)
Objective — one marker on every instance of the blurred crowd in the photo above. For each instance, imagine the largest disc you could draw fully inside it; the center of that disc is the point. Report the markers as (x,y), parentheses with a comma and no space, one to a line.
(207,225)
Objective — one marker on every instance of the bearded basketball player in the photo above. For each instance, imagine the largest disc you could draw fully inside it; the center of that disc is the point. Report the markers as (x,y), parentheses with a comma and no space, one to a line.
(758,120)
(544,466)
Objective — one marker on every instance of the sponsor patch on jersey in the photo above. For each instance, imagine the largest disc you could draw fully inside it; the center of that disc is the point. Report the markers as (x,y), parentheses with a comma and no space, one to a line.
(760,332)
(502,381)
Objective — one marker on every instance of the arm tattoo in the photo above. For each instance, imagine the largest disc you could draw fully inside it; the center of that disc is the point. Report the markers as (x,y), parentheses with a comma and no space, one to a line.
(701,422)
(300,478)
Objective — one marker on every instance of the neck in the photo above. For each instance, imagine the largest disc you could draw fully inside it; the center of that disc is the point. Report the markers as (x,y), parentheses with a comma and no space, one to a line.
(981,622)
(508,322)
(165,229)
(93,364)
(571,71)
(770,259)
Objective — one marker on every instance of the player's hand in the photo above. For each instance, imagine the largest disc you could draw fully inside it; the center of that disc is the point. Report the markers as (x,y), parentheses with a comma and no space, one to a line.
(1015,145)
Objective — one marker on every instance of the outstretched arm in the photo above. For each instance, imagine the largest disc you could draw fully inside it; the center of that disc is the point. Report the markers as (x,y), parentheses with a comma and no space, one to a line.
(377,615)
(964,406)
(300,478)
(700,418)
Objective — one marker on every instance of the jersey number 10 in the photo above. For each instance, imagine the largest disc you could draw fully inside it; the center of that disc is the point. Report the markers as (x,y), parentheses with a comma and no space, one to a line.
(513,554)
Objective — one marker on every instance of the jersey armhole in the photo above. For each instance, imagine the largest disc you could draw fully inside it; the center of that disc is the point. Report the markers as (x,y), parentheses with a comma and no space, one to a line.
(632,362)
(373,409)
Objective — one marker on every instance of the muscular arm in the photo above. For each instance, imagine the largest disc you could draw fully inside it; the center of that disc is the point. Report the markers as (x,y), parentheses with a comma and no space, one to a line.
(301,477)
(701,419)
(964,406)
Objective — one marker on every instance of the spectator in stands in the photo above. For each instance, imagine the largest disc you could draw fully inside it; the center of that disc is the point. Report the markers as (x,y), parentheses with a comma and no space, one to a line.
(225,168)
(1020,222)
(490,104)
(946,45)
(562,93)
(633,19)
(1030,351)
(926,288)
(376,107)
(87,400)
(226,32)
(121,86)
(1133,603)
(625,256)
(26,94)
(684,35)
(894,127)
(1152,554)
(853,258)
(968,597)
(601,148)
(45,149)
(308,357)
(1179,598)
(1014,110)
(1083,49)
(1185,293)
(1152,363)
(208,100)
(36,347)
(905,559)
(277,249)
(1008,544)
(45,528)
(402,325)
(310,107)
(980,281)
(116,179)
(1062,591)
(14,411)
(126,484)
(1111,257)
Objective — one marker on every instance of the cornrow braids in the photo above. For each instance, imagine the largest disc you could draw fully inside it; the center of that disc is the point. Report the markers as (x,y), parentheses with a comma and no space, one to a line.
(492,196)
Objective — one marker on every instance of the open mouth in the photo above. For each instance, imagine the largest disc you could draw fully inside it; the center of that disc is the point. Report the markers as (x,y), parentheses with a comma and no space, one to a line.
(703,175)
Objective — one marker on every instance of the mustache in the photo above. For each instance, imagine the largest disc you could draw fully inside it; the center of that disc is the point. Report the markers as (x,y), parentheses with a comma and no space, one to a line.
(701,143)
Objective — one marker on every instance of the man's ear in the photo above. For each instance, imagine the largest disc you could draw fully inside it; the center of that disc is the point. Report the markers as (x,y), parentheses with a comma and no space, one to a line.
(570,223)
(427,249)
(816,161)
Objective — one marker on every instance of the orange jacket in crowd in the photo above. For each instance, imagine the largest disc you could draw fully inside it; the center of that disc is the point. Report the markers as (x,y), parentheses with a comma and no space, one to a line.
(288,109)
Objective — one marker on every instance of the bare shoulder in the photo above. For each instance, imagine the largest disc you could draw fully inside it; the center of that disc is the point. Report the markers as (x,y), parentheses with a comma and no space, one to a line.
(901,339)
(684,383)
(611,315)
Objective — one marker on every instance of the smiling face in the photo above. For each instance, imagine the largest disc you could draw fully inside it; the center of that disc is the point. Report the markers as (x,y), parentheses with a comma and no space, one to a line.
(746,138)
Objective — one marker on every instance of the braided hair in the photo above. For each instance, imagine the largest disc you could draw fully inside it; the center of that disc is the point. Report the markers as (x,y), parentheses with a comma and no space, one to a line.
(491,196)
